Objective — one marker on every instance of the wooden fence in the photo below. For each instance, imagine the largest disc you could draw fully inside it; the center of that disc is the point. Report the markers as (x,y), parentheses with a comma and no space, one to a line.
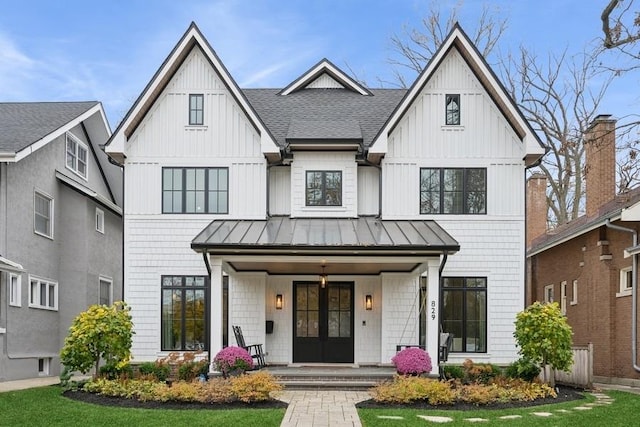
(581,374)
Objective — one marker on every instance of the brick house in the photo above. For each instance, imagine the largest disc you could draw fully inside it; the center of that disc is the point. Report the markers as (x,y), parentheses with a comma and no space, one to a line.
(354,219)
(589,265)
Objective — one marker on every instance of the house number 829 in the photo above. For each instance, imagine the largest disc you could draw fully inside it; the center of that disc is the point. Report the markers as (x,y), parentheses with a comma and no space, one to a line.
(433,310)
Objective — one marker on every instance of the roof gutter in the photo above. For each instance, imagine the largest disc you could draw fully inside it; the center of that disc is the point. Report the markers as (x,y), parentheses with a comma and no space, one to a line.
(634,293)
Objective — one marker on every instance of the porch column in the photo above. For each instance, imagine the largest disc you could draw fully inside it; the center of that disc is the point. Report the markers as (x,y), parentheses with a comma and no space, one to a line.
(433,312)
(215,310)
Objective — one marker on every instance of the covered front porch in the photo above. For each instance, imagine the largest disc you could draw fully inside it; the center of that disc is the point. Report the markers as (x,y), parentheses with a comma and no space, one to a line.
(342,291)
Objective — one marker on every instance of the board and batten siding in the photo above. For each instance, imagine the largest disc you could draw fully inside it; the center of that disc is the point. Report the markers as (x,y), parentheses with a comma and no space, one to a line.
(280,190)
(324,161)
(368,190)
(491,245)
(158,244)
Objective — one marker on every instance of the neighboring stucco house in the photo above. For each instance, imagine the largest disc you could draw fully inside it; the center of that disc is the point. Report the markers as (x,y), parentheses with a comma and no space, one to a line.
(354,219)
(589,265)
(60,228)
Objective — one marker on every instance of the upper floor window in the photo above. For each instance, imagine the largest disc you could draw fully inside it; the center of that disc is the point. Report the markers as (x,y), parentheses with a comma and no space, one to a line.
(15,290)
(324,188)
(43,293)
(626,281)
(99,220)
(43,214)
(452,107)
(76,155)
(453,191)
(196,109)
(563,298)
(195,190)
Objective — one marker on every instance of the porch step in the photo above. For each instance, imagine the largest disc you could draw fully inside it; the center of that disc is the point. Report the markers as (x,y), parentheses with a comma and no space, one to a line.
(330,378)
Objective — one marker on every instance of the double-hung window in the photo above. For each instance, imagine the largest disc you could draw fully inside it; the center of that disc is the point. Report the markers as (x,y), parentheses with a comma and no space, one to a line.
(184,313)
(324,188)
(453,191)
(76,155)
(464,312)
(196,109)
(105,291)
(99,220)
(195,190)
(43,293)
(43,214)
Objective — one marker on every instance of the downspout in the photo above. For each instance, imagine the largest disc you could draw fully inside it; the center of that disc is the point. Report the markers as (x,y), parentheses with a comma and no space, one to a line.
(634,293)
(205,256)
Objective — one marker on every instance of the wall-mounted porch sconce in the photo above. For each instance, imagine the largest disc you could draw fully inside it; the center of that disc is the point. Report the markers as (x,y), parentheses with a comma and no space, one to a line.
(323,278)
(279,302)
(368,302)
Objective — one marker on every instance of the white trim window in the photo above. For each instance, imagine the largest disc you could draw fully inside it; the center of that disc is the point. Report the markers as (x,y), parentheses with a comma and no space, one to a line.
(99,220)
(105,291)
(548,294)
(15,290)
(574,293)
(563,297)
(43,293)
(43,214)
(76,155)
(626,282)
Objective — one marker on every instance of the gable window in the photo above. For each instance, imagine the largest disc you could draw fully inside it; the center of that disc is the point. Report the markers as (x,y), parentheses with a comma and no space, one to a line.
(15,290)
(464,312)
(324,188)
(99,220)
(196,109)
(43,214)
(453,191)
(626,281)
(548,294)
(184,313)
(105,295)
(452,109)
(43,293)
(76,155)
(195,190)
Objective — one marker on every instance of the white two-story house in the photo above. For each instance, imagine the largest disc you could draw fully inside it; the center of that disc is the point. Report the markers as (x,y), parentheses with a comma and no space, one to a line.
(331,221)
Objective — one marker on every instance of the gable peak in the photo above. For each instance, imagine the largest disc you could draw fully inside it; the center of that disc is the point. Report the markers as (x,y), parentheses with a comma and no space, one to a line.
(325,75)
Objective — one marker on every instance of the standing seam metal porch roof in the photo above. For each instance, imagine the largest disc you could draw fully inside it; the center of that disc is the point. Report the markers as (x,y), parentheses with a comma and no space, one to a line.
(311,235)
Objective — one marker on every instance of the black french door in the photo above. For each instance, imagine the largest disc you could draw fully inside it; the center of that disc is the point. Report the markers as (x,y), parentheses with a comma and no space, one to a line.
(323,322)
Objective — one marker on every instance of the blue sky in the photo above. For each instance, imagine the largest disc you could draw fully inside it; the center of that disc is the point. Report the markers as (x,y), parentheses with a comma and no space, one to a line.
(107,51)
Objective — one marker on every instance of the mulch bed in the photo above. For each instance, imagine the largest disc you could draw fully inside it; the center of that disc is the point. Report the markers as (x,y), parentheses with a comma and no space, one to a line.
(565,394)
(122,402)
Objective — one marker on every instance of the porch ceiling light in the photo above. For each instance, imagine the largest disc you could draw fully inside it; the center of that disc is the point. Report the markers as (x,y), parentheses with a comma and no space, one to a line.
(368,302)
(323,278)
(279,302)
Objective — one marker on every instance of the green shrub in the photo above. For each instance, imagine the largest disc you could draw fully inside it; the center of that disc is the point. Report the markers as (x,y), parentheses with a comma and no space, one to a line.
(523,368)
(160,371)
(481,373)
(113,371)
(454,372)
(188,371)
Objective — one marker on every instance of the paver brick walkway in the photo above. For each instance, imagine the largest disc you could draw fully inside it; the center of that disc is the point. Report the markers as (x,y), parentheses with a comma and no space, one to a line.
(322,408)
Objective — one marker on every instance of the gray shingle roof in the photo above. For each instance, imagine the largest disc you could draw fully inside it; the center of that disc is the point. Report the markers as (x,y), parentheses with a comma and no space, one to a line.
(23,123)
(314,112)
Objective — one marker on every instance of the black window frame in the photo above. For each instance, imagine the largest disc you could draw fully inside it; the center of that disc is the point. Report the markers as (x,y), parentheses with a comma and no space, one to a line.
(183,288)
(441,192)
(323,188)
(196,113)
(206,190)
(464,290)
(453,116)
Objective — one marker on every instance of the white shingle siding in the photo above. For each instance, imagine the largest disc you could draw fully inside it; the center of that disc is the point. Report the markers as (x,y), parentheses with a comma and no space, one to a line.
(247,307)
(318,161)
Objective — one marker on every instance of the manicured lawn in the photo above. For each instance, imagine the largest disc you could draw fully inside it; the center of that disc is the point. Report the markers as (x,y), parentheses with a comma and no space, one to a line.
(621,413)
(45,406)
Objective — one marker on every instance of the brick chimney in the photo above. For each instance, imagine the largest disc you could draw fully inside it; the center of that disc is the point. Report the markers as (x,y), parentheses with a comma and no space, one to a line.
(536,207)
(600,163)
